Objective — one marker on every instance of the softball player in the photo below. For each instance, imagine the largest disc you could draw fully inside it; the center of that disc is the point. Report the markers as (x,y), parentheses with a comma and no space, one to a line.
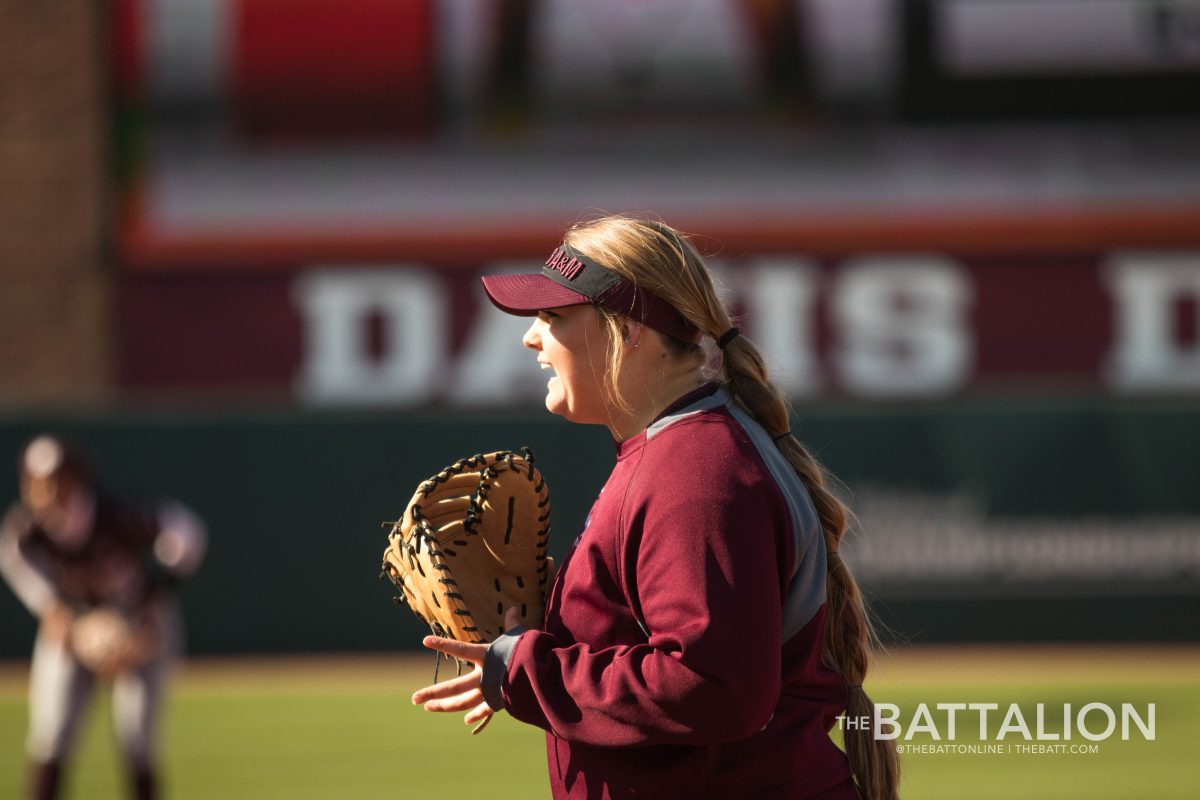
(98,574)
(703,634)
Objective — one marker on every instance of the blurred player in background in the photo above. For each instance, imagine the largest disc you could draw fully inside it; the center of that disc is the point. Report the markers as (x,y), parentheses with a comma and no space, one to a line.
(99,575)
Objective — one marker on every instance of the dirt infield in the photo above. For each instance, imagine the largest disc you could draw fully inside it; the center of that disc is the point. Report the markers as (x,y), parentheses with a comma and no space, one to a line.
(912,666)
(280,673)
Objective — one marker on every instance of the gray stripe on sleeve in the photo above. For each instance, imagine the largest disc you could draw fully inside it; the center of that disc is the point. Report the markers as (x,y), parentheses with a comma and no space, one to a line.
(495,667)
(806,592)
(714,400)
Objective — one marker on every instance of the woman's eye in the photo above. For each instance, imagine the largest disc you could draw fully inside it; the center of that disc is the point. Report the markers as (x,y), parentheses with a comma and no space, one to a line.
(546,316)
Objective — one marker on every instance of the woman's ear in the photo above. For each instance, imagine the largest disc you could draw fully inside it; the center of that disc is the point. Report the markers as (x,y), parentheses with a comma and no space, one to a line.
(632,332)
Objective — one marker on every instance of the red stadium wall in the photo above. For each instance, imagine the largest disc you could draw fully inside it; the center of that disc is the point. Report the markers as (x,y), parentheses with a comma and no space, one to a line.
(311,188)
(881,326)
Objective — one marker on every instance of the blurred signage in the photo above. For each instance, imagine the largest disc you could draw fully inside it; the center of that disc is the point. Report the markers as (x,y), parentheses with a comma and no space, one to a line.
(1049,58)
(1059,37)
(279,67)
(503,66)
(969,553)
(511,60)
(874,327)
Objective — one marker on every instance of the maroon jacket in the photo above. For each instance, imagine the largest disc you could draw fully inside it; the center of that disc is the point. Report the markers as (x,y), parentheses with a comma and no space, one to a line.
(680,655)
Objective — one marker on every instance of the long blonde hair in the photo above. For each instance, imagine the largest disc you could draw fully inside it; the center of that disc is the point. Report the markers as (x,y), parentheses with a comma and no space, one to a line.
(661,260)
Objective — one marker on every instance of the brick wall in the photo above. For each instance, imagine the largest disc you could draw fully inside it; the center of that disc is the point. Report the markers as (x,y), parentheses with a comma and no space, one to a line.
(56,282)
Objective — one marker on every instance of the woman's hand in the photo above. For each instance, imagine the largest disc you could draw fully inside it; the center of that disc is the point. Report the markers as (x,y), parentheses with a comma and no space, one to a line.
(56,623)
(464,693)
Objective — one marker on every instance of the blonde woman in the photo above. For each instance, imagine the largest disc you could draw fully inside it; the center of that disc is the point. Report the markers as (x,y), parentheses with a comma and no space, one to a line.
(703,634)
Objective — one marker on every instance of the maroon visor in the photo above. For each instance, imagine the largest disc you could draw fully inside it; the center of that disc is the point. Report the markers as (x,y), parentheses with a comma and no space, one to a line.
(570,279)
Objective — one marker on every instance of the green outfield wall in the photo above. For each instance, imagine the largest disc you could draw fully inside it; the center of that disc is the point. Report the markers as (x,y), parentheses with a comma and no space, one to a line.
(295,501)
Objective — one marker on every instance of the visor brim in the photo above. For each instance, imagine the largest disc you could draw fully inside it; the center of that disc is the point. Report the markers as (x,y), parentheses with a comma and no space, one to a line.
(524,295)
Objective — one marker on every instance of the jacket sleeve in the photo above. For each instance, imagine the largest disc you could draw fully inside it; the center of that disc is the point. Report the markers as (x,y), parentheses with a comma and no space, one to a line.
(24,573)
(706,579)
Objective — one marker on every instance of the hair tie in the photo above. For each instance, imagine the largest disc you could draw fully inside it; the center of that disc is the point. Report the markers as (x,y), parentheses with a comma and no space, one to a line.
(780,436)
(727,337)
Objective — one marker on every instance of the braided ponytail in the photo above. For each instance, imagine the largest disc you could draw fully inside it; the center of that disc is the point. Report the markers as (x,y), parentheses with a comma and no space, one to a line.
(849,636)
(659,259)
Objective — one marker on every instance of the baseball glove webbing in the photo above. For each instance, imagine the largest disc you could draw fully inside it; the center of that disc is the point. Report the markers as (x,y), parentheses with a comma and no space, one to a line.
(471,544)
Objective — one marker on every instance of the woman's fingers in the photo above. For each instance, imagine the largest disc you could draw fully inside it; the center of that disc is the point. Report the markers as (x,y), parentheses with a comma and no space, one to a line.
(460,650)
(462,693)
(477,713)
(481,714)
(447,688)
(459,702)
(512,618)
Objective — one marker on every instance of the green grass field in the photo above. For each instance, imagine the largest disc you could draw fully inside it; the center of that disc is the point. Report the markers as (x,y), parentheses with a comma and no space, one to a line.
(344,728)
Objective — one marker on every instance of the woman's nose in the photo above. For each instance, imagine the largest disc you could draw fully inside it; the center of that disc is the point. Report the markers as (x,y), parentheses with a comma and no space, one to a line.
(532,339)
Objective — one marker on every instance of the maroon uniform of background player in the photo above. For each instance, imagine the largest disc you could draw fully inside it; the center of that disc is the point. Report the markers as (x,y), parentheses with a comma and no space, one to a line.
(66,549)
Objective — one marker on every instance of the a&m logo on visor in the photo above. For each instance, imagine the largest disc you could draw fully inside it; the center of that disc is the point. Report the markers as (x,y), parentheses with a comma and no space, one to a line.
(564,264)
